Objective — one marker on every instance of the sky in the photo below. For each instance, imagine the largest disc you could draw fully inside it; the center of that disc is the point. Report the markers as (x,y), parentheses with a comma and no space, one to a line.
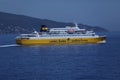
(103,13)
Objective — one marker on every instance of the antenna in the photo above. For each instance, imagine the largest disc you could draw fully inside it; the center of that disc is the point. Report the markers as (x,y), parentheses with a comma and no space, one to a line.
(76,25)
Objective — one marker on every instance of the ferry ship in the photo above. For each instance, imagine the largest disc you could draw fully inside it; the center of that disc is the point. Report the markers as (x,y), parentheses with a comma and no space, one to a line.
(60,36)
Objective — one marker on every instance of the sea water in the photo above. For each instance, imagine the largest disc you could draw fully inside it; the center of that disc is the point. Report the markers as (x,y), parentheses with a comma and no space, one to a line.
(66,62)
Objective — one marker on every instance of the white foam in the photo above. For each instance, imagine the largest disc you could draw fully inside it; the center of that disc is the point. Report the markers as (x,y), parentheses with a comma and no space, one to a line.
(10,45)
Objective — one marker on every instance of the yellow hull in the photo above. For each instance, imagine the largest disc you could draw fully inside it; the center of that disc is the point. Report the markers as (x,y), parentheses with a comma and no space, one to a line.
(61,41)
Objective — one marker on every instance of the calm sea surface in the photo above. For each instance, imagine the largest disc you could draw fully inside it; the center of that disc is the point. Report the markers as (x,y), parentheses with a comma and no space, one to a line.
(69,62)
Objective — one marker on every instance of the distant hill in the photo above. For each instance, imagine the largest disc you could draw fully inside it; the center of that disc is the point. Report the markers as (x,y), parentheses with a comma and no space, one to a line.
(12,23)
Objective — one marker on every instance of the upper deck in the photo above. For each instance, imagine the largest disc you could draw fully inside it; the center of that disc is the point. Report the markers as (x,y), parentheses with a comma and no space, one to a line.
(66,32)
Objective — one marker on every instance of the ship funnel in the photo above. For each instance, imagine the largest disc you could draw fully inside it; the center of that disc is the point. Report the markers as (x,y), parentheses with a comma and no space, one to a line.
(43,28)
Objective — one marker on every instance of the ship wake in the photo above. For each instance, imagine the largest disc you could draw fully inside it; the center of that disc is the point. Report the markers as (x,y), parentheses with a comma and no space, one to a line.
(10,45)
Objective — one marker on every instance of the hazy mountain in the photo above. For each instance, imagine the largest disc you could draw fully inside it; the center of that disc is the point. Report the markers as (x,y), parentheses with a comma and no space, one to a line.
(12,23)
